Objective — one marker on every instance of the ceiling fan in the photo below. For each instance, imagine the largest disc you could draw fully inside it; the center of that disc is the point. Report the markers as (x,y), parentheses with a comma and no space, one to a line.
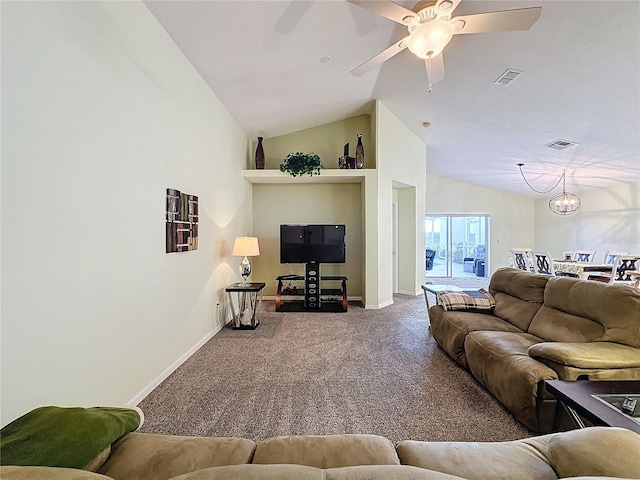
(432,27)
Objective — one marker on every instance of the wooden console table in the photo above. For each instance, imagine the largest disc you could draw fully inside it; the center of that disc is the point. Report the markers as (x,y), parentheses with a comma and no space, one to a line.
(297,304)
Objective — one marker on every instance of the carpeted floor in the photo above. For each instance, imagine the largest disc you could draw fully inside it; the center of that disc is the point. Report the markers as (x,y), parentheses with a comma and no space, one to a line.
(364,371)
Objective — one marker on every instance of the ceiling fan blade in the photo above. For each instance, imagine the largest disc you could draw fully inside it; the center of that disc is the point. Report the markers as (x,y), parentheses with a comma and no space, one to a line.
(291,16)
(507,20)
(385,8)
(379,58)
(435,68)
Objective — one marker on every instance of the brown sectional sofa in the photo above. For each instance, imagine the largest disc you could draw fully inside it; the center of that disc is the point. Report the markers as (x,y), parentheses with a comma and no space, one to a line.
(543,328)
(592,452)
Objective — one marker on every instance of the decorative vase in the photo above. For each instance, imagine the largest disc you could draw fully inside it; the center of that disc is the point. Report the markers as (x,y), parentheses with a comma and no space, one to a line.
(259,155)
(359,153)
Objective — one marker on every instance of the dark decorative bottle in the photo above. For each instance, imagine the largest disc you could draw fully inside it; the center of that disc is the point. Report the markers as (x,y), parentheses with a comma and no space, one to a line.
(259,155)
(359,153)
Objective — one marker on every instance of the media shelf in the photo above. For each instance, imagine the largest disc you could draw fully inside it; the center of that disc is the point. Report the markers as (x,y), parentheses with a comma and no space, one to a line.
(312,298)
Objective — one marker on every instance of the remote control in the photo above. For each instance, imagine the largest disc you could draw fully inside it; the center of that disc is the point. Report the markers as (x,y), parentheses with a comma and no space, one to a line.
(629,405)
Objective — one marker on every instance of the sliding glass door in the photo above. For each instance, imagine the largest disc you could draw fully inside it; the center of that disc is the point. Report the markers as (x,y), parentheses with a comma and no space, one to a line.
(456,245)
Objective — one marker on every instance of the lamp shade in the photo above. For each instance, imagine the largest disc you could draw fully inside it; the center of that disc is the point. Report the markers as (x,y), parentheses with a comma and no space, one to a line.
(430,39)
(245,247)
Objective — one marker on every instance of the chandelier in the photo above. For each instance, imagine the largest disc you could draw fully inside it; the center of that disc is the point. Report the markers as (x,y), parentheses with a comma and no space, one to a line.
(565,203)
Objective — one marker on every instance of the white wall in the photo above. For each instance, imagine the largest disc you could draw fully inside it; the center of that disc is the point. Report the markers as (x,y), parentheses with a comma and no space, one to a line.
(512,217)
(101,113)
(608,219)
(401,163)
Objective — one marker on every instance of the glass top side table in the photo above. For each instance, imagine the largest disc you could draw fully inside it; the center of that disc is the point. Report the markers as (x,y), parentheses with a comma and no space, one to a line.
(249,297)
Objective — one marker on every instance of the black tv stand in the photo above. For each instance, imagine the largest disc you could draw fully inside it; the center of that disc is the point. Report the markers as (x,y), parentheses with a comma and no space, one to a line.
(313,298)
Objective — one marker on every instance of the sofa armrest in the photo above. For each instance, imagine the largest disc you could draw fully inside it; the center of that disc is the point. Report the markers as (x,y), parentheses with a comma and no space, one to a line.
(600,355)
(595,451)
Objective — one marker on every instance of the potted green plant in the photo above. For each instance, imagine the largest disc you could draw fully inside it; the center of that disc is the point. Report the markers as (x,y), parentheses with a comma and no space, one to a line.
(299,163)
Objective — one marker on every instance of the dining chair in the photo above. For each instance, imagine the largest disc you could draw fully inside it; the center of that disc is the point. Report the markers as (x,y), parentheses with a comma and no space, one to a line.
(543,263)
(610,257)
(522,258)
(623,264)
(567,255)
(584,256)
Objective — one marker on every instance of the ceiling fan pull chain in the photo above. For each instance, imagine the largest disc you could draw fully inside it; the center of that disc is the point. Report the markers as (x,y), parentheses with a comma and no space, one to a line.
(429,84)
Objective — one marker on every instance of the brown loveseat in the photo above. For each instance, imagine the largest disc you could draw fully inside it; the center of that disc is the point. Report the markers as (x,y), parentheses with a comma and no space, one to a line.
(543,328)
(595,451)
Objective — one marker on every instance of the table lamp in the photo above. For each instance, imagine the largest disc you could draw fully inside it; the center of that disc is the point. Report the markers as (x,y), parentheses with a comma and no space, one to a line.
(245,247)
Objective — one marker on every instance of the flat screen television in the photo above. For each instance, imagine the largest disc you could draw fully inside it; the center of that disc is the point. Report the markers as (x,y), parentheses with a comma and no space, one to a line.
(312,243)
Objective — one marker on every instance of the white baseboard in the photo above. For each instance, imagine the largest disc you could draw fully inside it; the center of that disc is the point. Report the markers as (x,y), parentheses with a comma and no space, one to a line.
(406,292)
(170,369)
(379,306)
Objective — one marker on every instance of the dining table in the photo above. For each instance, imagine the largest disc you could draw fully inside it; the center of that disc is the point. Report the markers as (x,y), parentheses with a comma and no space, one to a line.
(581,270)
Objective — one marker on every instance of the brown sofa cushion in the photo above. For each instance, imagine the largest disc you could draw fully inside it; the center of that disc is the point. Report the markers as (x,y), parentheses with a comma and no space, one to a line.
(593,360)
(145,455)
(386,472)
(449,329)
(301,472)
(587,355)
(518,295)
(605,451)
(255,472)
(516,460)
(500,361)
(47,473)
(580,311)
(327,451)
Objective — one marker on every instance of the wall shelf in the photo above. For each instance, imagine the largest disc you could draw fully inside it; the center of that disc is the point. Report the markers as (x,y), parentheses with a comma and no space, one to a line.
(329,175)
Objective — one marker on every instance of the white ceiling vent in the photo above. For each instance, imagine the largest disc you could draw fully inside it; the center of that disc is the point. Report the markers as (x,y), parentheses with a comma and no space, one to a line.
(560,144)
(507,77)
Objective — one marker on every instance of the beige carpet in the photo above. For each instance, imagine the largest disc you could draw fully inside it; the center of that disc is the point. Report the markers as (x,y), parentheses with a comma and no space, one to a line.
(364,371)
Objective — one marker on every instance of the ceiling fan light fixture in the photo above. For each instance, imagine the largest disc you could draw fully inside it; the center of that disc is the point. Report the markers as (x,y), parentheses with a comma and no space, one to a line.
(430,38)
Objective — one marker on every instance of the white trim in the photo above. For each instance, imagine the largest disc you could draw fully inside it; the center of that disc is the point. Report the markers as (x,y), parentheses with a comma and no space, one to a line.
(406,292)
(379,306)
(170,369)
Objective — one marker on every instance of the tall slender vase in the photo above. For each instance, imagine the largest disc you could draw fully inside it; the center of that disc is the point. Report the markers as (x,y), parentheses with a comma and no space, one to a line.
(259,155)
(359,153)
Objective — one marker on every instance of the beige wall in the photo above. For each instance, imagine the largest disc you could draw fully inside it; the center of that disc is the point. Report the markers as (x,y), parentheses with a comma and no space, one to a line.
(365,208)
(325,140)
(273,205)
(512,217)
(101,113)
(608,219)
(312,203)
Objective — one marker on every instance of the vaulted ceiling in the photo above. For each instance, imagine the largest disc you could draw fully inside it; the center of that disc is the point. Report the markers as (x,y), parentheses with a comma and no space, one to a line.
(283,66)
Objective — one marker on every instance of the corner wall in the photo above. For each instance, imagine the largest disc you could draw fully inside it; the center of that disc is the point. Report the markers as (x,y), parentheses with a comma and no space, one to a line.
(101,113)
(401,158)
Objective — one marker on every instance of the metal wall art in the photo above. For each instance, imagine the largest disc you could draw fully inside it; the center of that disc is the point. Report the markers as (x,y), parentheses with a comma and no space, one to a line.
(182,221)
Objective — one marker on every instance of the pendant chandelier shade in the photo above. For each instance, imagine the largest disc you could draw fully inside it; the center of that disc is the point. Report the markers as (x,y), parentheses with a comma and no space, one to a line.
(565,203)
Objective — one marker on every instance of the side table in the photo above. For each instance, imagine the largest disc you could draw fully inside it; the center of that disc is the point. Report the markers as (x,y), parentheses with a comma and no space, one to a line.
(249,301)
